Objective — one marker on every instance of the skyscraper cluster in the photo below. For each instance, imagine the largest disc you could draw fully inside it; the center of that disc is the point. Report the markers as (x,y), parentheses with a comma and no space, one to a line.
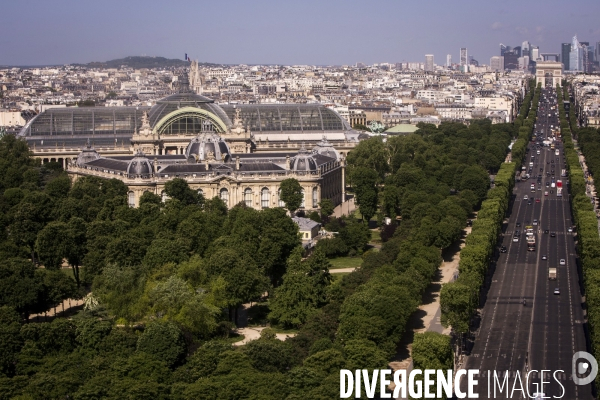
(580,56)
(515,58)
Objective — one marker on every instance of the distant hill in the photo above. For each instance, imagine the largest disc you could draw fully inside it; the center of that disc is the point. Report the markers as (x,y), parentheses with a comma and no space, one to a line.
(143,62)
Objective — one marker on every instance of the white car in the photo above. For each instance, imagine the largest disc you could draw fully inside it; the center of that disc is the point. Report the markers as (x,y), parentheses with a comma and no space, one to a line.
(525,197)
(570,230)
(562,261)
(557,291)
(515,239)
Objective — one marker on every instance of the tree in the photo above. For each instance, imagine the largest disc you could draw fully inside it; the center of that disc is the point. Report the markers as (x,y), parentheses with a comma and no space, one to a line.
(364,183)
(291,194)
(303,289)
(269,355)
(150,198)
(432,350)
(20,287)
(30,217)
(244,280)
(10,339)
(51,245)
(163,341)
(370,154)
(178,189)
(456,305)
(327,207)
(76,246)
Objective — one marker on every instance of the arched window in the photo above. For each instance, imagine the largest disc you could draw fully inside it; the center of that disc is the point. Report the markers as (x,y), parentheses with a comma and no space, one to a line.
(248,197)
(163,196)
(315,197)
(303,204)
(131,199)
(280,202)
(224,195)
(264,198)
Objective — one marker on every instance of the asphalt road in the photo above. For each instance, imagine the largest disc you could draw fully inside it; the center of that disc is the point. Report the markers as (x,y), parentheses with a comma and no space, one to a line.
(546,332)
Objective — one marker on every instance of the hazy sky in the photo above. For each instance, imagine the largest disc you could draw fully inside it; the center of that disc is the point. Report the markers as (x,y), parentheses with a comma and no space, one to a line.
(38,32)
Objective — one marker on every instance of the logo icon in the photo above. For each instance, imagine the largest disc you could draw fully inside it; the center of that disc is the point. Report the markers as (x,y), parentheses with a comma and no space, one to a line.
(590,365)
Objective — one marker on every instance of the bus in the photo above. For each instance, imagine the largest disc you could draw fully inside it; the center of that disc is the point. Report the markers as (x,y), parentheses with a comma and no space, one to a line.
(559,188)
(530,238)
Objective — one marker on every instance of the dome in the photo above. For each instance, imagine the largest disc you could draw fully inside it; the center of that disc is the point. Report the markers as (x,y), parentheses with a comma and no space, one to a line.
(167,105)
(325,148)
(208,146)
(88,153)
(139,165)
(303,161)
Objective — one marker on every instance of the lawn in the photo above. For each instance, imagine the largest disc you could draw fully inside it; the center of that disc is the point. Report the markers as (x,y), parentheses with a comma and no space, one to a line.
(345,262)
(375,236)
(337,277)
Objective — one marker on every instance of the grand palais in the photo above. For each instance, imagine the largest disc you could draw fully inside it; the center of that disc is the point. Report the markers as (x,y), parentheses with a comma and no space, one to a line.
(236,152)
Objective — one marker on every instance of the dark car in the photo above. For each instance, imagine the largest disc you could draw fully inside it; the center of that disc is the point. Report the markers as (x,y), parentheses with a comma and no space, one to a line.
(518,224)
(553,234)
(546,231)
(503,249)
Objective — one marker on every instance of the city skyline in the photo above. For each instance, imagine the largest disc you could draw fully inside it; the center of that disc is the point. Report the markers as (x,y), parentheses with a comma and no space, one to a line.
(265,32)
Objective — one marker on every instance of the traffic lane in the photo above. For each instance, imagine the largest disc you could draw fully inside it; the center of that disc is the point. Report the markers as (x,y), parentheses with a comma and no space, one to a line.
(489,341)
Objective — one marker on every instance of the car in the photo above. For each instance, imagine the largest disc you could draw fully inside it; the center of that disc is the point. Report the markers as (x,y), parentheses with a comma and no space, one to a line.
(525,197)
(548,162)
(503,249)
(547,184)
(537,200)
(529,203)
(552,234)
(552,161)
(535,222)
(556,291)
(544,257)
(562,261)
(519,224)
(515,238)
(541,169)
(546,231)
(546,193)
(570,229)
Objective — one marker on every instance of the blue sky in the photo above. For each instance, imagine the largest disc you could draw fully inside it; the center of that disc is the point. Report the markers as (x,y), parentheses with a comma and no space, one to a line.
(286,32)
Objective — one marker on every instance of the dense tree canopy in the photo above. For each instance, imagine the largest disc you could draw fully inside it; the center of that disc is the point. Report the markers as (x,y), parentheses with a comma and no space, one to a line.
(166,280)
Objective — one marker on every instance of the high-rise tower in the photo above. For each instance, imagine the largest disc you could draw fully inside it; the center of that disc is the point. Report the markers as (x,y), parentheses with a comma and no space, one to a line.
(429,62)
(464,60)
(565,50)
(576,56)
